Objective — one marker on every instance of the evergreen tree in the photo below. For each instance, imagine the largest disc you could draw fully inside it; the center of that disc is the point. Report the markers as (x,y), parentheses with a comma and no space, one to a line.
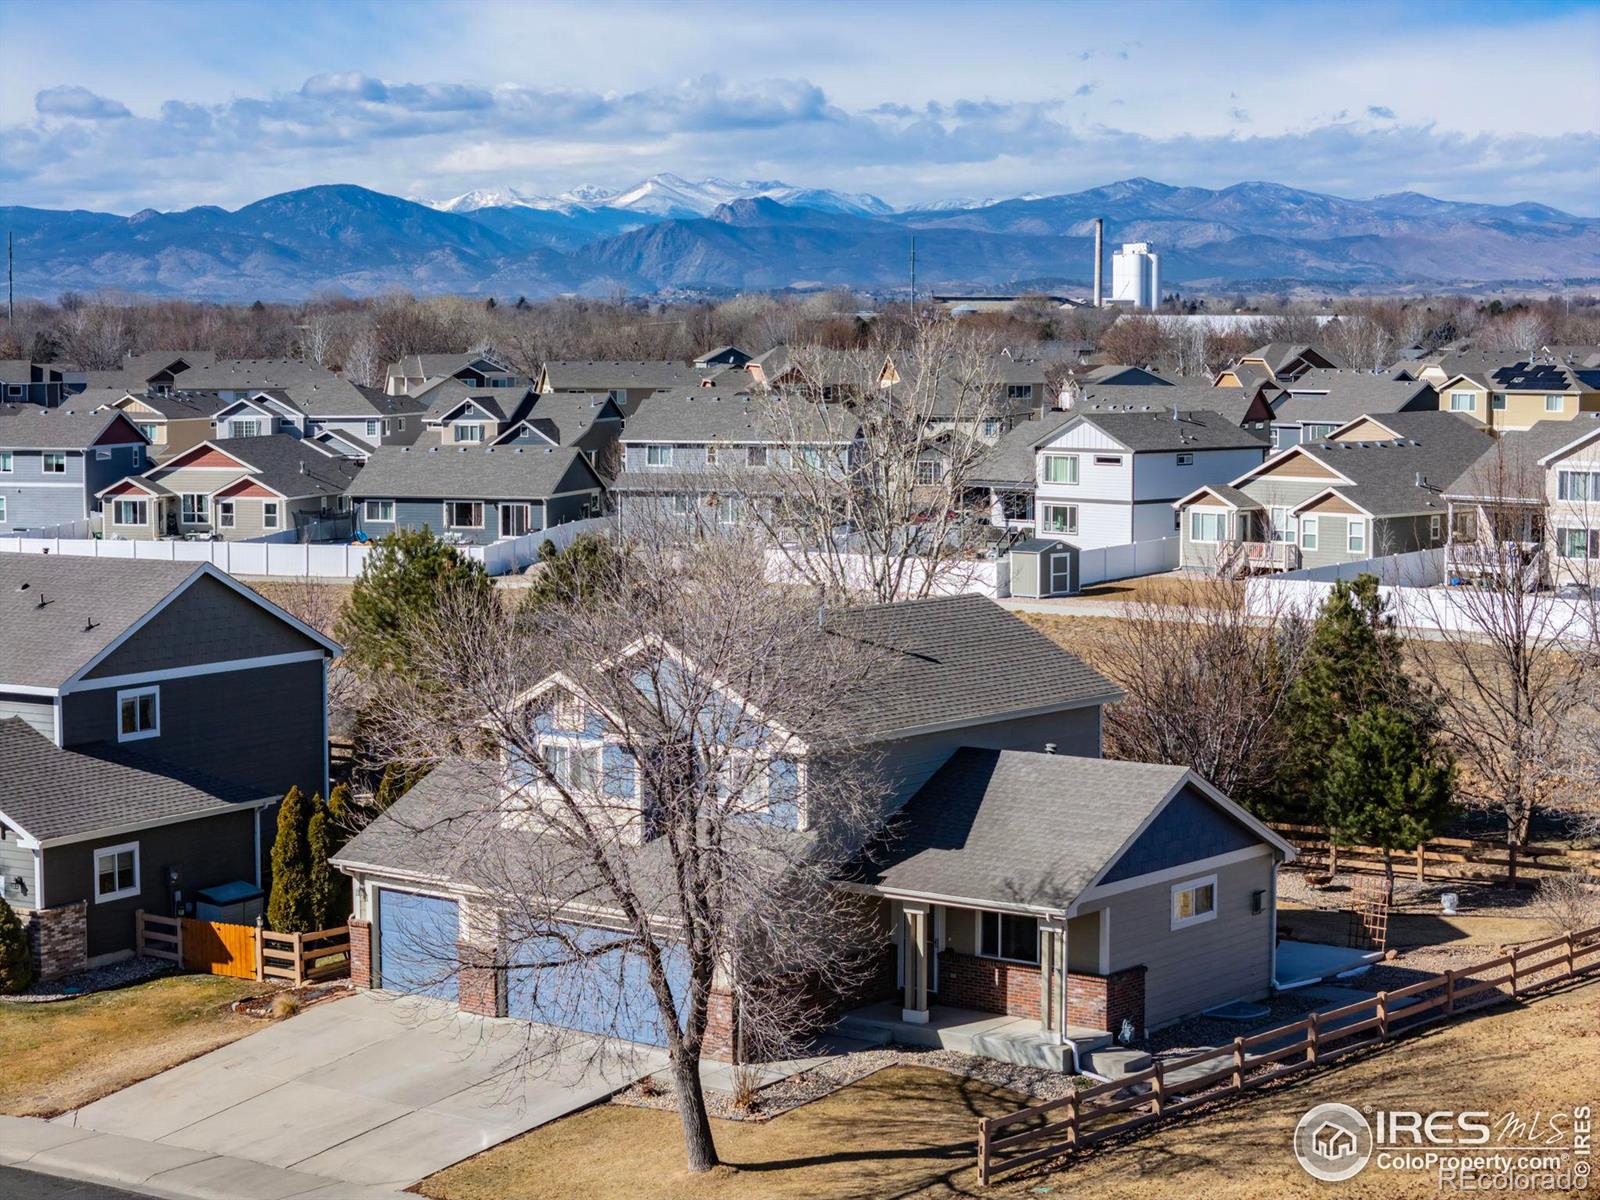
(339,806)
(395,782)
(590,566)
(16,959)
(1387,783)
(403,577)
(289,908)
(326,890)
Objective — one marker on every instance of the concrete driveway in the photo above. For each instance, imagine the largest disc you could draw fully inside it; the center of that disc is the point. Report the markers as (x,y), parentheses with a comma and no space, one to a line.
(374,1090)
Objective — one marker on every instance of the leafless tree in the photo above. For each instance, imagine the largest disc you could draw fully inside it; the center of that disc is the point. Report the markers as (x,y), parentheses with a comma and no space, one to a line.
(1522,332)
(362,362)
(317,333)
(697,852)
(1206,683)
(1360,340)
(95,336)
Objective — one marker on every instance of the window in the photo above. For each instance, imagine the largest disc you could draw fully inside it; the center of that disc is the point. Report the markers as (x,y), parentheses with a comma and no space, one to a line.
(116,872)
(196,508)
(1186,460)
(102,456)
(55,464)
(463,514)
(1435,527)
(136,455)
(1554,403)
(1315,433)
(1308,533)
(755,456)
(515,519)
(928,471)
(129,512)
(1578,485)
(992,428)
(378,510)
(269,514)
(1578,543)
(247,429)
(658,456)
(2,508)
(1059,518)
(372,429)
(469,433)
(1497,401)
(1282,526)
(1356,536)
(1208,526)
(149,432)
(1019,391)
(1008,936)
(13,389)
(574,767)
(138,714)
(1061,468)
(1108,460)
(681,504)
(6,462)
(1463,402)
(1194,902)
(225,514)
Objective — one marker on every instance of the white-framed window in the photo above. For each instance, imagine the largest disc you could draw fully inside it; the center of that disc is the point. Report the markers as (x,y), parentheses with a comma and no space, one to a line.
(681,504)
(928,471)
(7,463)
(1186,460)
(469,433)
(1208,526)
(992,427)
(270,513)
(1061,468)
(1578,543)
(658,456)
(1356,536)
(1308,533)
(13,389)
(1059,518)
(463,514)
(149,432)
(711,455)
(1019,391)
(130,512)
(1578,485)
(515,519)
(55,464)
(577,768)
(1194,902)
(755,456)
(1008,937)
(116,872)
(136,455)
(225,514)
(138,713)
(196,508)
(1282,525)
(1463,402)
(102,456)
(246,428)
(1554,403)
(1435,527)
(2,508)
(1108,460)
(381,511)
(372,429)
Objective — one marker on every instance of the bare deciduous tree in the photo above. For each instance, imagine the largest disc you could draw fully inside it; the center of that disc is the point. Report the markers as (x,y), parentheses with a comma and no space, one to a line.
(362,362)
(645,788)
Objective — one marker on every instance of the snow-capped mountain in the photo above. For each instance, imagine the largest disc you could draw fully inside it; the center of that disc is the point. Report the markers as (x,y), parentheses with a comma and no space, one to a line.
(670,197)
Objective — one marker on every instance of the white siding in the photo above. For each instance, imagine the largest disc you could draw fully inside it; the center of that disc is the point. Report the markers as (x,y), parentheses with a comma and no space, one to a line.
(41,715)
(1159,477)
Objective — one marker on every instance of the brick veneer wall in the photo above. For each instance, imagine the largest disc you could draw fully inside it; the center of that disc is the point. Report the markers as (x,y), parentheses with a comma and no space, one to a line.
(59,938)
(478,982)
(1105,1001)
(721,1026)
(989,985)
(360,953)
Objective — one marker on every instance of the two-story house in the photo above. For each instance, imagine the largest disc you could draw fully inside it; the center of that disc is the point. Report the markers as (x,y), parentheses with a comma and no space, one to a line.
(152,714)
(484,369)
(626,382)
(1019,874)
(25,382)
(473,493)
(1276,363)
(1318,401)
(1372,488)
(55,461)
(1521,394)
(1111,478)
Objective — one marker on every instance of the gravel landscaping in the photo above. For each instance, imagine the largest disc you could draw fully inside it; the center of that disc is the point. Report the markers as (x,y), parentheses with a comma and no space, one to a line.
(96,979)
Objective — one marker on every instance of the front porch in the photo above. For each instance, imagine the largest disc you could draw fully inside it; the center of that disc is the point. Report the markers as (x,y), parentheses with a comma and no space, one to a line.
(1018,1040)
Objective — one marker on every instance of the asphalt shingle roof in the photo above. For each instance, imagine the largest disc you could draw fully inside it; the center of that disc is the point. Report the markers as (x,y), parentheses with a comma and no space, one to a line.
(710,414)
(1509,466)
(1233,403)
(68,427)
(1436,445)
(600,375)
(289,465)
(469,473)
(52,793)
(1013,459)
(1174,429)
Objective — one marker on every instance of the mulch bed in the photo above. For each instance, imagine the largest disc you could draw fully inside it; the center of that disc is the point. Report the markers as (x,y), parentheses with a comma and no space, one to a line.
(305,996)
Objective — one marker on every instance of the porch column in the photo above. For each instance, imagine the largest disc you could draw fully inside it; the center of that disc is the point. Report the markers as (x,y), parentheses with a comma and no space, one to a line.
(1053,977)
(914,939)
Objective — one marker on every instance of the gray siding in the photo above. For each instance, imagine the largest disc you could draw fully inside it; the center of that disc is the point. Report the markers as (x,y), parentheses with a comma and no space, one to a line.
(1189,828)
(15,862)
(261,727)
(207,852)
(40,714)
(35,500)
(1195,968)
(100,474)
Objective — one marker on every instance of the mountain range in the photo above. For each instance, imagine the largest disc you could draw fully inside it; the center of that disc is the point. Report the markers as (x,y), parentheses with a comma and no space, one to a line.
(670,235)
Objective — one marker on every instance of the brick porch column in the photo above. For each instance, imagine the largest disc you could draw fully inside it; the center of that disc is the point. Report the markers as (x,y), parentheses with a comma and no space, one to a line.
(360,953)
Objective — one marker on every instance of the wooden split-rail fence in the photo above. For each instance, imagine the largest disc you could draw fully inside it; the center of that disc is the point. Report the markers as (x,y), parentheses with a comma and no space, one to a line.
(1445,859)
(1088,1116)
(244,951)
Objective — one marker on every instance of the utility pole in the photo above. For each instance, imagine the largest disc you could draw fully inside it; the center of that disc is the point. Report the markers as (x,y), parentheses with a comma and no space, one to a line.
(913,275)
(11,294)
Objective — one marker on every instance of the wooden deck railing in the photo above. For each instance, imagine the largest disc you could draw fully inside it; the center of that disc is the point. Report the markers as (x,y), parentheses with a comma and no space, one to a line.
(1091,1115)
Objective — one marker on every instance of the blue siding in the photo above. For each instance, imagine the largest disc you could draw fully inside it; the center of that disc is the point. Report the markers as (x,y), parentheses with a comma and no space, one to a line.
(1188,829)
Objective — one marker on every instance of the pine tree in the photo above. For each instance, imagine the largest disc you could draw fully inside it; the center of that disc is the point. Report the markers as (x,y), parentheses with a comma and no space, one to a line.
(289,909)
(1387,783)
(16,959)
(339,806)
(403,577)
(327,904)
(395,782)
(590,566)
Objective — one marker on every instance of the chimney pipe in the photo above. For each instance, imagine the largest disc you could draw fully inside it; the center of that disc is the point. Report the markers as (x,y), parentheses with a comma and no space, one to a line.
(1099,257)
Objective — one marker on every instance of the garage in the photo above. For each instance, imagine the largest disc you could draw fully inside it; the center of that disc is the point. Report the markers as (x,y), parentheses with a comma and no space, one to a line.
(609,995)
(416,943)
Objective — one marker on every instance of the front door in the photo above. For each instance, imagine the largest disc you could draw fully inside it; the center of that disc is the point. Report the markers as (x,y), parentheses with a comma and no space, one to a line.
(515,519)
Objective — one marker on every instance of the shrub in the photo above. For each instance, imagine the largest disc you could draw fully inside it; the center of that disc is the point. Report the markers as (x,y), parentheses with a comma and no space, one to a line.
(1567,902)
(16,959)
(285,1005)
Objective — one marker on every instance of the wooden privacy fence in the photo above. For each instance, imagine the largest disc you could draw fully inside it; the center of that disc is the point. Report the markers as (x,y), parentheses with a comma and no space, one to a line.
(244,951)
(1091,1115)
(1447,859)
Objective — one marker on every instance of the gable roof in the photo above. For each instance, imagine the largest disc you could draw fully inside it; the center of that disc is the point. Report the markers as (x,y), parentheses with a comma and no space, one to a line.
(697,414)
(1173,429)
(565,417)
(1013,458)
(1239,405)
(1512,466)
(1331,395)
(1383,475)
(473,473)
(600,375)
(66,427)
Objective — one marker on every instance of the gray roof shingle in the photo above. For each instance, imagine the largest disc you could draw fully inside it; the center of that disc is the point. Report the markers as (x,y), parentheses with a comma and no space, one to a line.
(714,414)
(69,427)
(1174,429)
(600,375)
(1013,459)
(1340,396)
(472,473)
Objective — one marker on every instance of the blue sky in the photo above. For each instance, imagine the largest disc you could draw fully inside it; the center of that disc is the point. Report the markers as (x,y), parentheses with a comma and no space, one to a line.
(149,103)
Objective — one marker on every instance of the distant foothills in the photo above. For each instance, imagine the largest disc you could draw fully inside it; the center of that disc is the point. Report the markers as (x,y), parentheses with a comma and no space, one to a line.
(671,236)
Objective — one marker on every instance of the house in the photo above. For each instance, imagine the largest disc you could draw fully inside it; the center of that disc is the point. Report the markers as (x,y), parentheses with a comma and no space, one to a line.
(1530,502)
(1521,394)
(707,452)
(236,489)
(1249,408)
(55,461)
(1372,488)
(1318,401)
(1004,391)
(481,370)
(772,369)
(1121,375)
(1009,472)
(1276,362)
(474,494)
(722,356)
(1111,478)
(26,382)
(152,714)
(1020,874)
(590,421)
(458,415)
(626,382)
(158,370)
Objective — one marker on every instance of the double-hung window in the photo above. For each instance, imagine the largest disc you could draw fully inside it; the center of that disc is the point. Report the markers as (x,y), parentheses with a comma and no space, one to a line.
(1061,468)
(138,714)
(270,514)
(1059,518)
(225,514)
(55,464)
(1463,402)
(1009,936)
(469,433)
(658,456)
(116,872)
(1282,525)
(755,456)
(7,462)
(1194,902)
(1578,543)
(1356,537)
(1497,401)
(129,512)
(1308,533)
(928,471)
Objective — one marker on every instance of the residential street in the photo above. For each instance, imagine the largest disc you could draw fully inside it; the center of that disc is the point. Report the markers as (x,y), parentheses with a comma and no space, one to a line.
(31,1185)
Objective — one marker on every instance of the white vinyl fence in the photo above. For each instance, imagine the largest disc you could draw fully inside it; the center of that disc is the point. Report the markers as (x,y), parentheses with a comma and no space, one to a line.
(1109,563)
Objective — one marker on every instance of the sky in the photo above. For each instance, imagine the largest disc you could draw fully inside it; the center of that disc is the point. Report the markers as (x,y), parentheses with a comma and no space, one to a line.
(152,103)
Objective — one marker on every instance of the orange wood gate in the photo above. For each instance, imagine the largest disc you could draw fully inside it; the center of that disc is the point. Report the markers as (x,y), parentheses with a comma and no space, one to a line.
(220,948)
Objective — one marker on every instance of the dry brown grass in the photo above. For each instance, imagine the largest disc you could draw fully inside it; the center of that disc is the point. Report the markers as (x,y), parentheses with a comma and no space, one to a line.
(909,1132)
(64,1054)
(1168,588)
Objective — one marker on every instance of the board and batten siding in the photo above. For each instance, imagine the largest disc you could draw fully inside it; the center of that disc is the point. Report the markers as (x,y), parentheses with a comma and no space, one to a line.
(1191,969)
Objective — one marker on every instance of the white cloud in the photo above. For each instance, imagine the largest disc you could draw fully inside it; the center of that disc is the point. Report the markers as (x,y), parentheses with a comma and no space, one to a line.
(79,102)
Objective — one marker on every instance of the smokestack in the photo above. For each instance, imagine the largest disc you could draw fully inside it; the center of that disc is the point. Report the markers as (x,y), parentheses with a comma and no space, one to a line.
(1099,257)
